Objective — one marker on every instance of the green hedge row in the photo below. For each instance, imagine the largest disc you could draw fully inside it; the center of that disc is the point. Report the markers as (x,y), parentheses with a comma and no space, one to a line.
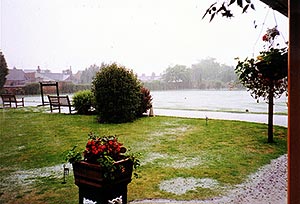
(64,87)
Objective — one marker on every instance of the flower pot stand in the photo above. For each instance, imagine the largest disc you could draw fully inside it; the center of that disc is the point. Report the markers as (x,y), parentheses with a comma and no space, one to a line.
(95,187)
(103,195)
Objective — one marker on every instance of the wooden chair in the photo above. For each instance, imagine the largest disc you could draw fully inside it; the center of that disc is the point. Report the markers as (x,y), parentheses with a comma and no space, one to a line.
(56,102)
(9,99)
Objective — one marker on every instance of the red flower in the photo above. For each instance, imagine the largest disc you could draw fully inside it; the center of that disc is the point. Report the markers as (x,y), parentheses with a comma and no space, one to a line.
(265,37)
(97,147)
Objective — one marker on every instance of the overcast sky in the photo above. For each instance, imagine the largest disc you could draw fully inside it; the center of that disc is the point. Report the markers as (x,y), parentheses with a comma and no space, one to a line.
(144,35)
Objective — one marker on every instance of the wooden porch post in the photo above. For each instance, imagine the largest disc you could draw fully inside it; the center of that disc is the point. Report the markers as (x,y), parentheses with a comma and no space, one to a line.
(294,104)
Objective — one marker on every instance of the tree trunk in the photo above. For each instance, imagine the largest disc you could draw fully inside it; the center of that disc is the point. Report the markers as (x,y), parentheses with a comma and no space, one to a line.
(270,115)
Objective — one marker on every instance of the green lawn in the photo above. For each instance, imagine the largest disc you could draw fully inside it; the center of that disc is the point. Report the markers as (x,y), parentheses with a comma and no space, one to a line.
(32,143)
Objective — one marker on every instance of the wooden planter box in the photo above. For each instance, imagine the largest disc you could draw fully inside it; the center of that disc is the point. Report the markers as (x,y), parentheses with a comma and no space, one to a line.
(94,186)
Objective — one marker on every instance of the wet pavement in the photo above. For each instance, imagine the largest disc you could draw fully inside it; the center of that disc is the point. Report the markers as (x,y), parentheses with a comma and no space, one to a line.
(280,120)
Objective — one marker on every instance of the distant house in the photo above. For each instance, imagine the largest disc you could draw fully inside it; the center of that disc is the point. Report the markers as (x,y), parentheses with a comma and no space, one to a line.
(76,77)
(153,77)
(52,76)
(30,77)
(16,78)
(40,75)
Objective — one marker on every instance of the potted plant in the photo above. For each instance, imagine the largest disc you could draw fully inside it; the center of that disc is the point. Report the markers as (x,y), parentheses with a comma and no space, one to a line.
(266,76)
(103,170)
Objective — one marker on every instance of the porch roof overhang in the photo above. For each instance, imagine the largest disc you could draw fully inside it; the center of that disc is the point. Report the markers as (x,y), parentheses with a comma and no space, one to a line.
(279,5)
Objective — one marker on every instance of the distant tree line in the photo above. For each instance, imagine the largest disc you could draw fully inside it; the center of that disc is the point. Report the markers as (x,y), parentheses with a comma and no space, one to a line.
(89,73)
(206,74)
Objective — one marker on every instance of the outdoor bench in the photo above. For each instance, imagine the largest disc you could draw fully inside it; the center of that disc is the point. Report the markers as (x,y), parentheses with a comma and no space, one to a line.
(9,99)
(56,102)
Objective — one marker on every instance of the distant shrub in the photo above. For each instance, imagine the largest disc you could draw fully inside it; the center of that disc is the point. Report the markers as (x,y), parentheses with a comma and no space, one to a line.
(66,87)
(70,87)
(146,101)
(83,101)
(32,89)
(81,87)
(117,94)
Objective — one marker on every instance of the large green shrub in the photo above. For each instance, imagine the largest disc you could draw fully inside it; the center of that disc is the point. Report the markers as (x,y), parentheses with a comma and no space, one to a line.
(117,94)
(83,101)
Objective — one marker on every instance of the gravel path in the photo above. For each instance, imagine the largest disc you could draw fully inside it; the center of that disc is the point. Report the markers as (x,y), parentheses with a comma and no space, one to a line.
(267,186)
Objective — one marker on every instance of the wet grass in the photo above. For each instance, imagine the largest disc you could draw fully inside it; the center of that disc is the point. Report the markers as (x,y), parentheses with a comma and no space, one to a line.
(170,147)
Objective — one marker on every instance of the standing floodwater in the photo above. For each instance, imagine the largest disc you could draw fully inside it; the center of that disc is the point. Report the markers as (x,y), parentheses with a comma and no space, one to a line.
(223,101)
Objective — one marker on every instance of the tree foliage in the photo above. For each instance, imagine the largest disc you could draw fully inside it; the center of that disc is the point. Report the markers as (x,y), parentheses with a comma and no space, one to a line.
(179,76)
(224,9)
(206,74)
(268,73)
(265,77)
(117,94)
(89,73)
(3,70)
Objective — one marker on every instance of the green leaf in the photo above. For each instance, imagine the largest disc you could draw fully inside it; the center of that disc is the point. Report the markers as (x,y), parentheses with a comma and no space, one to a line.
(245,8)
(240,3)
(212,17)
(231,2)
(208,11)
(222,8)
